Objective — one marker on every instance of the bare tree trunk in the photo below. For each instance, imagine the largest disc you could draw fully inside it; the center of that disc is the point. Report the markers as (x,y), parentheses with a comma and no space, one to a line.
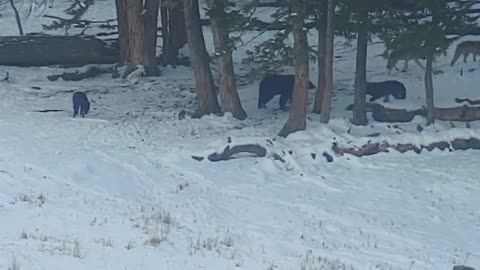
(17,18)
(173,30)
(329,39)
(137,30)
(322,29)
(298,111)
(123,31)
(429,89)
(206,93)
(229,99)
(359,109)
(150,23)
(165,20)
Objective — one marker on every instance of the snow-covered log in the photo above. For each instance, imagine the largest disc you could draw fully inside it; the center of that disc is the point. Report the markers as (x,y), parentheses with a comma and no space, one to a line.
(462,113)
(89,72)
(382,147)
(229,152)
(43,50)
(468,101)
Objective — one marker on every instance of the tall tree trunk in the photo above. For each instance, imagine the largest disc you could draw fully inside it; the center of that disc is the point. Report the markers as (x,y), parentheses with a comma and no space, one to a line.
(173,30)
(137,30)
(322,30)
(298,111)
(329,39)
(165,19)
(359,104)
(150,21)
(229,99)
(206,93)
(123,31)
(429,89)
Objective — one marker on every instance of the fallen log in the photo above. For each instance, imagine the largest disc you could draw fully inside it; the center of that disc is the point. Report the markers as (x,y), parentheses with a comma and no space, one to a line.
(228,153)
(467,100)
(79,75)
(256,150)
(463,113)
(381,113)
(395,115)
(42,50)
(48,110)
(384,147)
(369,107)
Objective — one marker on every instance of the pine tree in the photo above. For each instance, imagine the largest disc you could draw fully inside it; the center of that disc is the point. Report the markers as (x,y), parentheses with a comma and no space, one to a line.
(76,10)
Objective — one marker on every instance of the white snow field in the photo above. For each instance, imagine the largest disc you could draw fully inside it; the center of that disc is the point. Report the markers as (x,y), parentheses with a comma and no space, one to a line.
(119,189)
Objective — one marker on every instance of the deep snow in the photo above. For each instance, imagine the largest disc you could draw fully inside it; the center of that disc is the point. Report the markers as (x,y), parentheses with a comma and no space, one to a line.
(119,189)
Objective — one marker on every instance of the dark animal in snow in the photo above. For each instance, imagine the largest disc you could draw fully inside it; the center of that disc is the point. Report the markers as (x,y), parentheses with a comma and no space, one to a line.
(386,88)
(277,84)
(81,105)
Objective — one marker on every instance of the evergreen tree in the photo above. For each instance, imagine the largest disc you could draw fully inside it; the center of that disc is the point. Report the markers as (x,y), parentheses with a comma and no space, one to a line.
(76,10)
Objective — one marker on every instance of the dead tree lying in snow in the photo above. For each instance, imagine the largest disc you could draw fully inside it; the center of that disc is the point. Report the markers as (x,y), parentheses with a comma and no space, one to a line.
(90,72)
(255,150)
(468,101)
(40,50)
(463,113)
(228,152)
(381,147)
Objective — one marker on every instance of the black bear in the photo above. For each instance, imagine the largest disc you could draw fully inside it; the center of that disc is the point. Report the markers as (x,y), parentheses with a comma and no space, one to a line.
(80,104)
(386,88)
(277,84)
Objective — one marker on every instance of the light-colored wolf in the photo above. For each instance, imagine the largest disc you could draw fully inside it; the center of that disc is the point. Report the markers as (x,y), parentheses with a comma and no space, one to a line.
(406,56)
(465,48)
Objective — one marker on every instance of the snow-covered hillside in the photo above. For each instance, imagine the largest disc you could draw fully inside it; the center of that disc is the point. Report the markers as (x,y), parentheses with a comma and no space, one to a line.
(119,189)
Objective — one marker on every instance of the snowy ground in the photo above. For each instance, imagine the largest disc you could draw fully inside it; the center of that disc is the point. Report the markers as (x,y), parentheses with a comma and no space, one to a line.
(119,189)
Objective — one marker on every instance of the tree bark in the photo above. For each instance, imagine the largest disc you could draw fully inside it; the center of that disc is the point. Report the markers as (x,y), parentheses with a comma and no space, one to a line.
(329,39)
(429,89)
(359,110)
(173,30)
(322,32)
(150,22)
(122,31)
(298,112)
(384,147)
(165,19)
(55,50)
(136,24)
(135,31)
(229,99)
(206,93)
